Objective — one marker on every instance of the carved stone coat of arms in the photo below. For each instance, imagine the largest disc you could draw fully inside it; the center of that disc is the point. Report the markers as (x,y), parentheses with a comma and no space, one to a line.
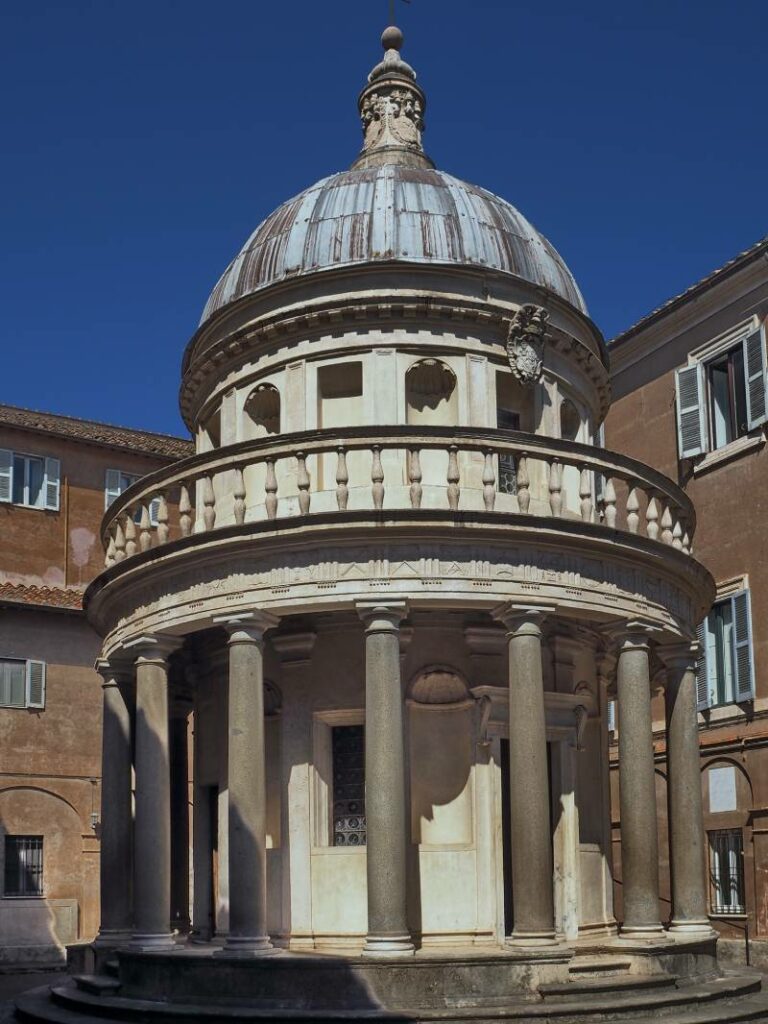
(525,343)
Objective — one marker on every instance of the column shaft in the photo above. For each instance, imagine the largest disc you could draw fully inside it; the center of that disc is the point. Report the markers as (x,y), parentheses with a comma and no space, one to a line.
(116,812)
(179,822)
(385,782)
(247,790)
(686,820)
(152,847)
(532,867)
(637,790)
(202,840)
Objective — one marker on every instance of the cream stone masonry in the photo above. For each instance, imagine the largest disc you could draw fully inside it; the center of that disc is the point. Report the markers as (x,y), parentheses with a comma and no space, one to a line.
(397,584)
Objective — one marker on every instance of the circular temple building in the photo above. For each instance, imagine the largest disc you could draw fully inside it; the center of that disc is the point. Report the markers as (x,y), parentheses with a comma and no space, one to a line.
(361,650)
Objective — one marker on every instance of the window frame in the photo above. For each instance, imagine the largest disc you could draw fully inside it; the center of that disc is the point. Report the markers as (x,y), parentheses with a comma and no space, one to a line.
(719,909)
(50,486)
(742,655)
(694,394)
(321,805)
(112,493)
(35,672)
(40,894)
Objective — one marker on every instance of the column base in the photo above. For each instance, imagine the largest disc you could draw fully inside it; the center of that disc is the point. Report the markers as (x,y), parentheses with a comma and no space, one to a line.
(694,928)
(248,946)
(642,931)
(107,939)
(529,939)
(390,945)
(148,942)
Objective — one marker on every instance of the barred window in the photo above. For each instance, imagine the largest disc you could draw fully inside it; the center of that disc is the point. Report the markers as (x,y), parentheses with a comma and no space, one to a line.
(23,866)
(726,858)
(348,748)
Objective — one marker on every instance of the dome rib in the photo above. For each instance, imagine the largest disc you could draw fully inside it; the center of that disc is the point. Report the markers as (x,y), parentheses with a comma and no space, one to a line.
(392,212)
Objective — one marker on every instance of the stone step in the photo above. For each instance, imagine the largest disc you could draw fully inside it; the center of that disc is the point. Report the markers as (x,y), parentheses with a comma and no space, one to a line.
(584,966)
(112,967)
(619,984)
(97,984)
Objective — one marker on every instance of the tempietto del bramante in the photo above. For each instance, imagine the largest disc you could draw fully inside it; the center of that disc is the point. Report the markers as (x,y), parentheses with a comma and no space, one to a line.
(360,650)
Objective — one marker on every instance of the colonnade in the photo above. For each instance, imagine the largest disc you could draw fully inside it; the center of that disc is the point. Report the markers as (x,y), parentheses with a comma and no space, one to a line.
(142,917)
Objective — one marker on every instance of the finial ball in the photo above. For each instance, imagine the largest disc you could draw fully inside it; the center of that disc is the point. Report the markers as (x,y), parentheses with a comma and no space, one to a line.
(392,38)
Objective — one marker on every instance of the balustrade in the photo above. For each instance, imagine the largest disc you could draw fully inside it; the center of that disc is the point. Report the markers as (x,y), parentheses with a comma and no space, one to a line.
(226,494)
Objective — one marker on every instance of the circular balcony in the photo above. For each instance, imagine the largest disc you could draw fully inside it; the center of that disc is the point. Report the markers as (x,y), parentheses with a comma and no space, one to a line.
(316,519)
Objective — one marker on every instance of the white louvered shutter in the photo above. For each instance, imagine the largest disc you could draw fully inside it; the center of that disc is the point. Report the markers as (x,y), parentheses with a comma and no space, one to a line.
(742,643)
(111,487)
(154,508)
(6,474)
(703,699)
(691,421)
(52,485)
(611,715)
(35,684)
(754,365)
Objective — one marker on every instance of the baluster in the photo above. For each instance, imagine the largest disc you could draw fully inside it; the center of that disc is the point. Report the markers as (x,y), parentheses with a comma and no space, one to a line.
(303,482)
(185,510)
(555,488)
(377,478)
(609,503)
(523,484)
(414,477)
(238,492)
(145,528)
(342,479)
(686,539)
(270,487)
(109,558)
(453,478)
(119,540)
(209,504)
(666,525)
(651,517)
(489,482)
(633,506)
(162,518)
(585,493)
(677,535)
(130,534)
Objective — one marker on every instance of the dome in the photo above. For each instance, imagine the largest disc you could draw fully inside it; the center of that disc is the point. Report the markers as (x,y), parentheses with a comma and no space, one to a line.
(392,212)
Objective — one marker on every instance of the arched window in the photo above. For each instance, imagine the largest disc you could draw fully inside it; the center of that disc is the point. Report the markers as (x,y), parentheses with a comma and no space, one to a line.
(263,410)
(430,394)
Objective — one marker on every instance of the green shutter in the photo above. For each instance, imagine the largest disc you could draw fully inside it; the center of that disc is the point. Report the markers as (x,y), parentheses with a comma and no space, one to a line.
(754,365)
(6,474)
(51,484)
(691,422)
(35,684)
(742,643)
(703,690)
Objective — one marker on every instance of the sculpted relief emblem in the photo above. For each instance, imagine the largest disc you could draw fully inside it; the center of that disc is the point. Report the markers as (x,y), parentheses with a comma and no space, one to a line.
(525,343)
(392,119)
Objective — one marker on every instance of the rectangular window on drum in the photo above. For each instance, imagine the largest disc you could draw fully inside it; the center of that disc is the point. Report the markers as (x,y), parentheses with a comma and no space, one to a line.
(23,866)
(348,752)
(507,420)
(726,860)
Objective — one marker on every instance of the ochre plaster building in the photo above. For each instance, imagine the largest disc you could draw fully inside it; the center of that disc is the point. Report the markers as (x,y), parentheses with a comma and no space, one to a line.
(394,591)
(56,477)
(693,374)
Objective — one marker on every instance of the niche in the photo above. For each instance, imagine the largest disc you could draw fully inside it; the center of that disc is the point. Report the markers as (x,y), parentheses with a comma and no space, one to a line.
(340,404)
(430,394)
(262,409)
(570,421)
(211,437)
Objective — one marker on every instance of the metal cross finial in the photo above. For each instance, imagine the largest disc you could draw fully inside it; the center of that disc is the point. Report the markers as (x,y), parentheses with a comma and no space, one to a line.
(392,10)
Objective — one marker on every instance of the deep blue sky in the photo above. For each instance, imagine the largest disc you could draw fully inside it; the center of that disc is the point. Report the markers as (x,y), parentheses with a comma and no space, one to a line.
(142,140)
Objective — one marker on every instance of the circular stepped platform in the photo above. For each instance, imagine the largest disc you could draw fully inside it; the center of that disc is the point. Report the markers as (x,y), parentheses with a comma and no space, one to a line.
(629,999)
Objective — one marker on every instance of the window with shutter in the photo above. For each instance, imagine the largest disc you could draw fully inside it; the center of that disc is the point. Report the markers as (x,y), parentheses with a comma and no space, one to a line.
(754,360)
(742,639)
(703,686)
(6,474)
(691,424)
(36,684)
(112,487)
(13,688)
(52,475)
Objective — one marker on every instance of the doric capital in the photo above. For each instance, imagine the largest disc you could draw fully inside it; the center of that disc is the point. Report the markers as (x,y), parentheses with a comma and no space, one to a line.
(294,648)
(114,671)
(631,635)
(153,647)
(522,619)
(382,616)
(680,657)
(248,627)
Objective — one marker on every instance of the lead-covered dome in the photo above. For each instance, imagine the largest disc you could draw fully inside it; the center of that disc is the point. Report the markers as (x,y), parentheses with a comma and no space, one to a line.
(392,206)
(392,212)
